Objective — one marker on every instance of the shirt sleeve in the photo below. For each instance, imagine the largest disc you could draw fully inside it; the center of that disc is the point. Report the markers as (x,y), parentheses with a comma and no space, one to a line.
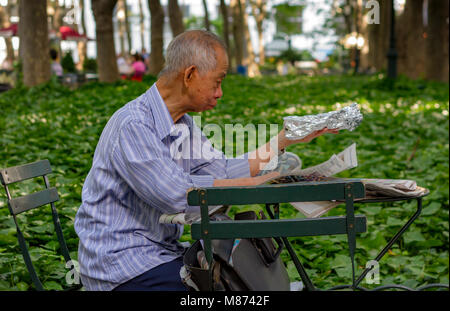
(144,163)
(210,161)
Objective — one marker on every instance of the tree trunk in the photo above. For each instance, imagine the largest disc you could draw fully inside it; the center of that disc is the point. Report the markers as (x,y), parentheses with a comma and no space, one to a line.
(104,30)
(410,41)
(127,26)
(82,45)
(57,22)
(121,26)
(157,24)
(365,32)
(238,31)
(175,18)
(253,69)
(382,42)
(358,29)
(226,29)
(348,13)
(437,41)
(205,8)
(373,34)
(141,23)
(4,22)
(34,41)
(259,12)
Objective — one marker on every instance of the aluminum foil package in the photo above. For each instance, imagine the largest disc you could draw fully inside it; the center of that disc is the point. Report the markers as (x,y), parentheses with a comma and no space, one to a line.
(298,127)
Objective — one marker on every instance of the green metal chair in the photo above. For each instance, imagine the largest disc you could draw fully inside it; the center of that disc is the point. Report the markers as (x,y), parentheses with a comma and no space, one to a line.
(345,190)
(25,203)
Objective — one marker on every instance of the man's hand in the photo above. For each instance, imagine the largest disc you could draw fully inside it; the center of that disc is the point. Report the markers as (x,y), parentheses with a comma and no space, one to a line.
(265,153)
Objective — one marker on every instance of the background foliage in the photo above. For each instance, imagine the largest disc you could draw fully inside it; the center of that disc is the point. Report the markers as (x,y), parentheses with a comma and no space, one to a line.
(404,135)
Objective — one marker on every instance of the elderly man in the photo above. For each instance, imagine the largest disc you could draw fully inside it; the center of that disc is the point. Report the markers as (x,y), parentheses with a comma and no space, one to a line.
(134,177)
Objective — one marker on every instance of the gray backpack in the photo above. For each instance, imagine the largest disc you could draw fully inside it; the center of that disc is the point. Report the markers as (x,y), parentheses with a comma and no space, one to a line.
(238,264)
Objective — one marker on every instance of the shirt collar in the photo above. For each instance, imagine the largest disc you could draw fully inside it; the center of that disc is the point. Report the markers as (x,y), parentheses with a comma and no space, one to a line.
(164,124)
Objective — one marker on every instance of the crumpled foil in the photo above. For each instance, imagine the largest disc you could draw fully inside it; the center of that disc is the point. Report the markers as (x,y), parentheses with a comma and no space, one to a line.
(298,127)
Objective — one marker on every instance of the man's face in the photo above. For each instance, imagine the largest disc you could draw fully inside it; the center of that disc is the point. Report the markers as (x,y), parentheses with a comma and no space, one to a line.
(205,89)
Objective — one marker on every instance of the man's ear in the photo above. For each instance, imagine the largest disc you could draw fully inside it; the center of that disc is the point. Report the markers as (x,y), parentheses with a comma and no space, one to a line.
(189,74)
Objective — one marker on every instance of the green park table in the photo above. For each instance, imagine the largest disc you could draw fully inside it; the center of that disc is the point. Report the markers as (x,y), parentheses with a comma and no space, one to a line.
(349,191)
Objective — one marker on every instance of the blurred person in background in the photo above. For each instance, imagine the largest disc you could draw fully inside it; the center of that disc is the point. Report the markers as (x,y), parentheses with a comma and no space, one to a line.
(7,64)
(56,67)
(125,70)
(145,58)
(139,67)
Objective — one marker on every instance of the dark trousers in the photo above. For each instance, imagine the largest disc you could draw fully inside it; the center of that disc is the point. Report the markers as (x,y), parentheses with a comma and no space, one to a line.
(165,277)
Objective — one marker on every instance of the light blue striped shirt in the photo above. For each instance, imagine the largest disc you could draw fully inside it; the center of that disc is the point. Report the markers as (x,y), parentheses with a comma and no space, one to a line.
(133,180)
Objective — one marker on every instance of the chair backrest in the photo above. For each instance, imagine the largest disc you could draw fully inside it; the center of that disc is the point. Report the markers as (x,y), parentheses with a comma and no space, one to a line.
(22,204)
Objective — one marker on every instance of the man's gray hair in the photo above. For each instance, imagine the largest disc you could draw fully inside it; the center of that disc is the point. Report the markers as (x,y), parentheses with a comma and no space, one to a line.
(192,47)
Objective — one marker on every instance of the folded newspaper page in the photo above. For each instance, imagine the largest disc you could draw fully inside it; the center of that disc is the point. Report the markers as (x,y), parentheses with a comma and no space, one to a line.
(336,164)
(392,188)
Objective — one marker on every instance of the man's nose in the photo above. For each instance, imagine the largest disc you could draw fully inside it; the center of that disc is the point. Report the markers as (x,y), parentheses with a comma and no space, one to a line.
(219,92)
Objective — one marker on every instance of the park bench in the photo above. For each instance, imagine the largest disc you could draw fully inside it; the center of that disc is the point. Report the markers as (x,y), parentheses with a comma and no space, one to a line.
(21,204)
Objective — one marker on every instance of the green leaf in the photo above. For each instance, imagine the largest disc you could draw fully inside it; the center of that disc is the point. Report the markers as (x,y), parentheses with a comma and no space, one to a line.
(4,285)
(341,261)
(392,221)
(22,286)
(431,209)
(396,262)
(372,210)
(413,236)
(432,243)
(52,285)
(344,272)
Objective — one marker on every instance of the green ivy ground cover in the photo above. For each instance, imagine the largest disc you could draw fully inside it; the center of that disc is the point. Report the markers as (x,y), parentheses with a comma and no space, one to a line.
(404,135)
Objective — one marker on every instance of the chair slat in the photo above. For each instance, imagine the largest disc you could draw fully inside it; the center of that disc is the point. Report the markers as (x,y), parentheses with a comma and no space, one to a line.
(278,193)
(22,172)
(297,227)
(27,202)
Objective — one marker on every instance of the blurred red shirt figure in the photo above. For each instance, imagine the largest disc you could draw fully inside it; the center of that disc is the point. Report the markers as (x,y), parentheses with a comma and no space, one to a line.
(138,68)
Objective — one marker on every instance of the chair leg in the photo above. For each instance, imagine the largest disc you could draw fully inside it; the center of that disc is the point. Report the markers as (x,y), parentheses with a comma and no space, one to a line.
(309,286)
(27,259)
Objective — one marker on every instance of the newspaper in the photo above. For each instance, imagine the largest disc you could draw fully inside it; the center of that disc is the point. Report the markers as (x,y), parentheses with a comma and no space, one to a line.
(289,164)
(337,163)
(392,188)
(375,188)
